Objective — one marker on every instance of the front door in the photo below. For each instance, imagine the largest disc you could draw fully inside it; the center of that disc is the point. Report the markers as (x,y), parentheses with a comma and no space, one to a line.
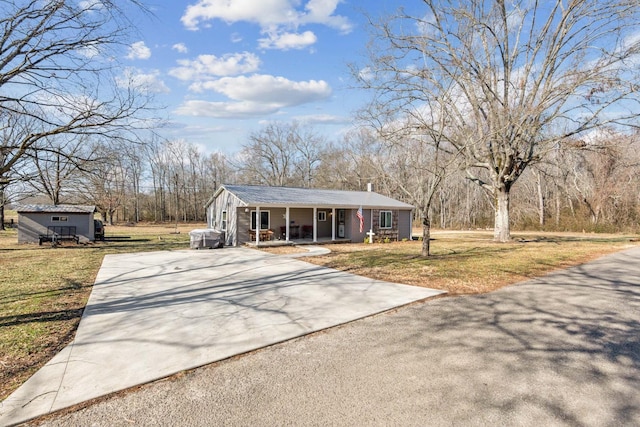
(341,223)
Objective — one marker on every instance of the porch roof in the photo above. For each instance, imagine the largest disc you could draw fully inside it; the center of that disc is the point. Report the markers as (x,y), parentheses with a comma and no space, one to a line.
(254,195)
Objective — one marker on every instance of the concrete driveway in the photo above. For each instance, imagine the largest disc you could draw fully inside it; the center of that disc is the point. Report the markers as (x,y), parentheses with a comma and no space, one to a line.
(151,315)
(561,350)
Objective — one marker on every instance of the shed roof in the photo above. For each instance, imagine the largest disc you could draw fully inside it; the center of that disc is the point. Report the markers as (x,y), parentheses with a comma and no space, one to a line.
(56,209)
(254,195)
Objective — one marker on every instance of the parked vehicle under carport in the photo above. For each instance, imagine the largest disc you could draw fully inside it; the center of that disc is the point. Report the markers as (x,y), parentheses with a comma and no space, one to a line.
(98,230)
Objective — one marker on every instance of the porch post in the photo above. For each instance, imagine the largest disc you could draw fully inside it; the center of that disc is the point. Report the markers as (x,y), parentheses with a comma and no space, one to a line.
(257,225)
(333,224)
(286,232)
(315,225)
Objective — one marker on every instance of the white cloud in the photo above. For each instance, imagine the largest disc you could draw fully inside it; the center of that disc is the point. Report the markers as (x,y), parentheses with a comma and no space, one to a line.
(180,47)
(263,12)
(321,12)
(225,110)
(425,25)
(91,5)
(366,74)
(269,89)
(286,41)
(257,95)
(90,51)
(323,119)
(147,82)
(208,66)
(270,15)
(139,50)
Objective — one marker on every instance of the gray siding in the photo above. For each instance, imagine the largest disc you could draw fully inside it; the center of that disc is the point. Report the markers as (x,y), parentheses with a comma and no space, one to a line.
(239,213)
(31,225)
(324,227)
(404,225)
(353,225)
(229,203)
(244,222)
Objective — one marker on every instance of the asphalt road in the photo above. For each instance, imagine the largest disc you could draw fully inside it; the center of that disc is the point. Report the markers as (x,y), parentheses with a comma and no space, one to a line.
(562,350)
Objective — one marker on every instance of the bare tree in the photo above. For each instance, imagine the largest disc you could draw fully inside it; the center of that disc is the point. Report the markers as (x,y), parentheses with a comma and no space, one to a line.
(105,180)
(282,154)
(56,166)
(602,176)
(349,164)
(309,149)
(516,78)
(12,160)
(416,168)
(58,74)
(158,164)
(183,178)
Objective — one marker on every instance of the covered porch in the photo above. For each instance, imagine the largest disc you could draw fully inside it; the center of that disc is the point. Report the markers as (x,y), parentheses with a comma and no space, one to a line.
(277,225)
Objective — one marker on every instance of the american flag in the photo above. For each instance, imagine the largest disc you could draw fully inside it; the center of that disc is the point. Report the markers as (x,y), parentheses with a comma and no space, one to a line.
(361,218)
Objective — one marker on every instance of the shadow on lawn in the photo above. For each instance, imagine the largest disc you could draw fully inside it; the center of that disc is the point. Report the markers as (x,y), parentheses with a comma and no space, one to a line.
(69,287)
(46,316)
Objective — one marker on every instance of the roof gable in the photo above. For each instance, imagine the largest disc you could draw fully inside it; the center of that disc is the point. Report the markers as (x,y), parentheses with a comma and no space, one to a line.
(253,195)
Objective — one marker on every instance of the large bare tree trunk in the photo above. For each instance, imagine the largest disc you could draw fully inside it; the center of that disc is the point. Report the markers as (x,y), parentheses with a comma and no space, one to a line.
(2,209)
(501,231)
(558,207)
(426,234)
(510,79)
(540,199)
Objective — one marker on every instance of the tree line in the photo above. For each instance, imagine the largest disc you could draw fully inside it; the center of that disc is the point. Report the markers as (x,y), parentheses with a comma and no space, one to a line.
(591,187)
(483,113)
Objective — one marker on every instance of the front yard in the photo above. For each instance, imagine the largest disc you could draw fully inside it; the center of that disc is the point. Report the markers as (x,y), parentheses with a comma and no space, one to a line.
(470,262)
(44,289)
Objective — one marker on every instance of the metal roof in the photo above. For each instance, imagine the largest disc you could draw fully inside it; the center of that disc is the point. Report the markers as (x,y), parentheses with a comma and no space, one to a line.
(55,209)
(254,195)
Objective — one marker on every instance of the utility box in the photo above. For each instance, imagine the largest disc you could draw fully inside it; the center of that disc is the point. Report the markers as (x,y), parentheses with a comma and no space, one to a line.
(206,238)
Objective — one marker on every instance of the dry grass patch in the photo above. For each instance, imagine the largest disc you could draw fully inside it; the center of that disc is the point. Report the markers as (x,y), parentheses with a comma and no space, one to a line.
(282,250)
(470,263)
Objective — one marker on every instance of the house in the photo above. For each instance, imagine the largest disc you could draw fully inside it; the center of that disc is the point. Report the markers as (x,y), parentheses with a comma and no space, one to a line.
(254,214)
(38,223)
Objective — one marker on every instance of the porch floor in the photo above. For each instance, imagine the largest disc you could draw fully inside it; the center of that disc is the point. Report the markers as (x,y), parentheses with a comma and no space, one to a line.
(299,242)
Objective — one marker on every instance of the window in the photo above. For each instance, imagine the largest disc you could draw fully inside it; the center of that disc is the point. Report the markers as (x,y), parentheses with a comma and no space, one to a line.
(223,225)
(59,219)
(264,220)
(322,216)
(385,219)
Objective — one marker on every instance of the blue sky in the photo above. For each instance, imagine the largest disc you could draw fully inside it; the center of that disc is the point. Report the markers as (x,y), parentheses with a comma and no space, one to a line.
(223,68)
